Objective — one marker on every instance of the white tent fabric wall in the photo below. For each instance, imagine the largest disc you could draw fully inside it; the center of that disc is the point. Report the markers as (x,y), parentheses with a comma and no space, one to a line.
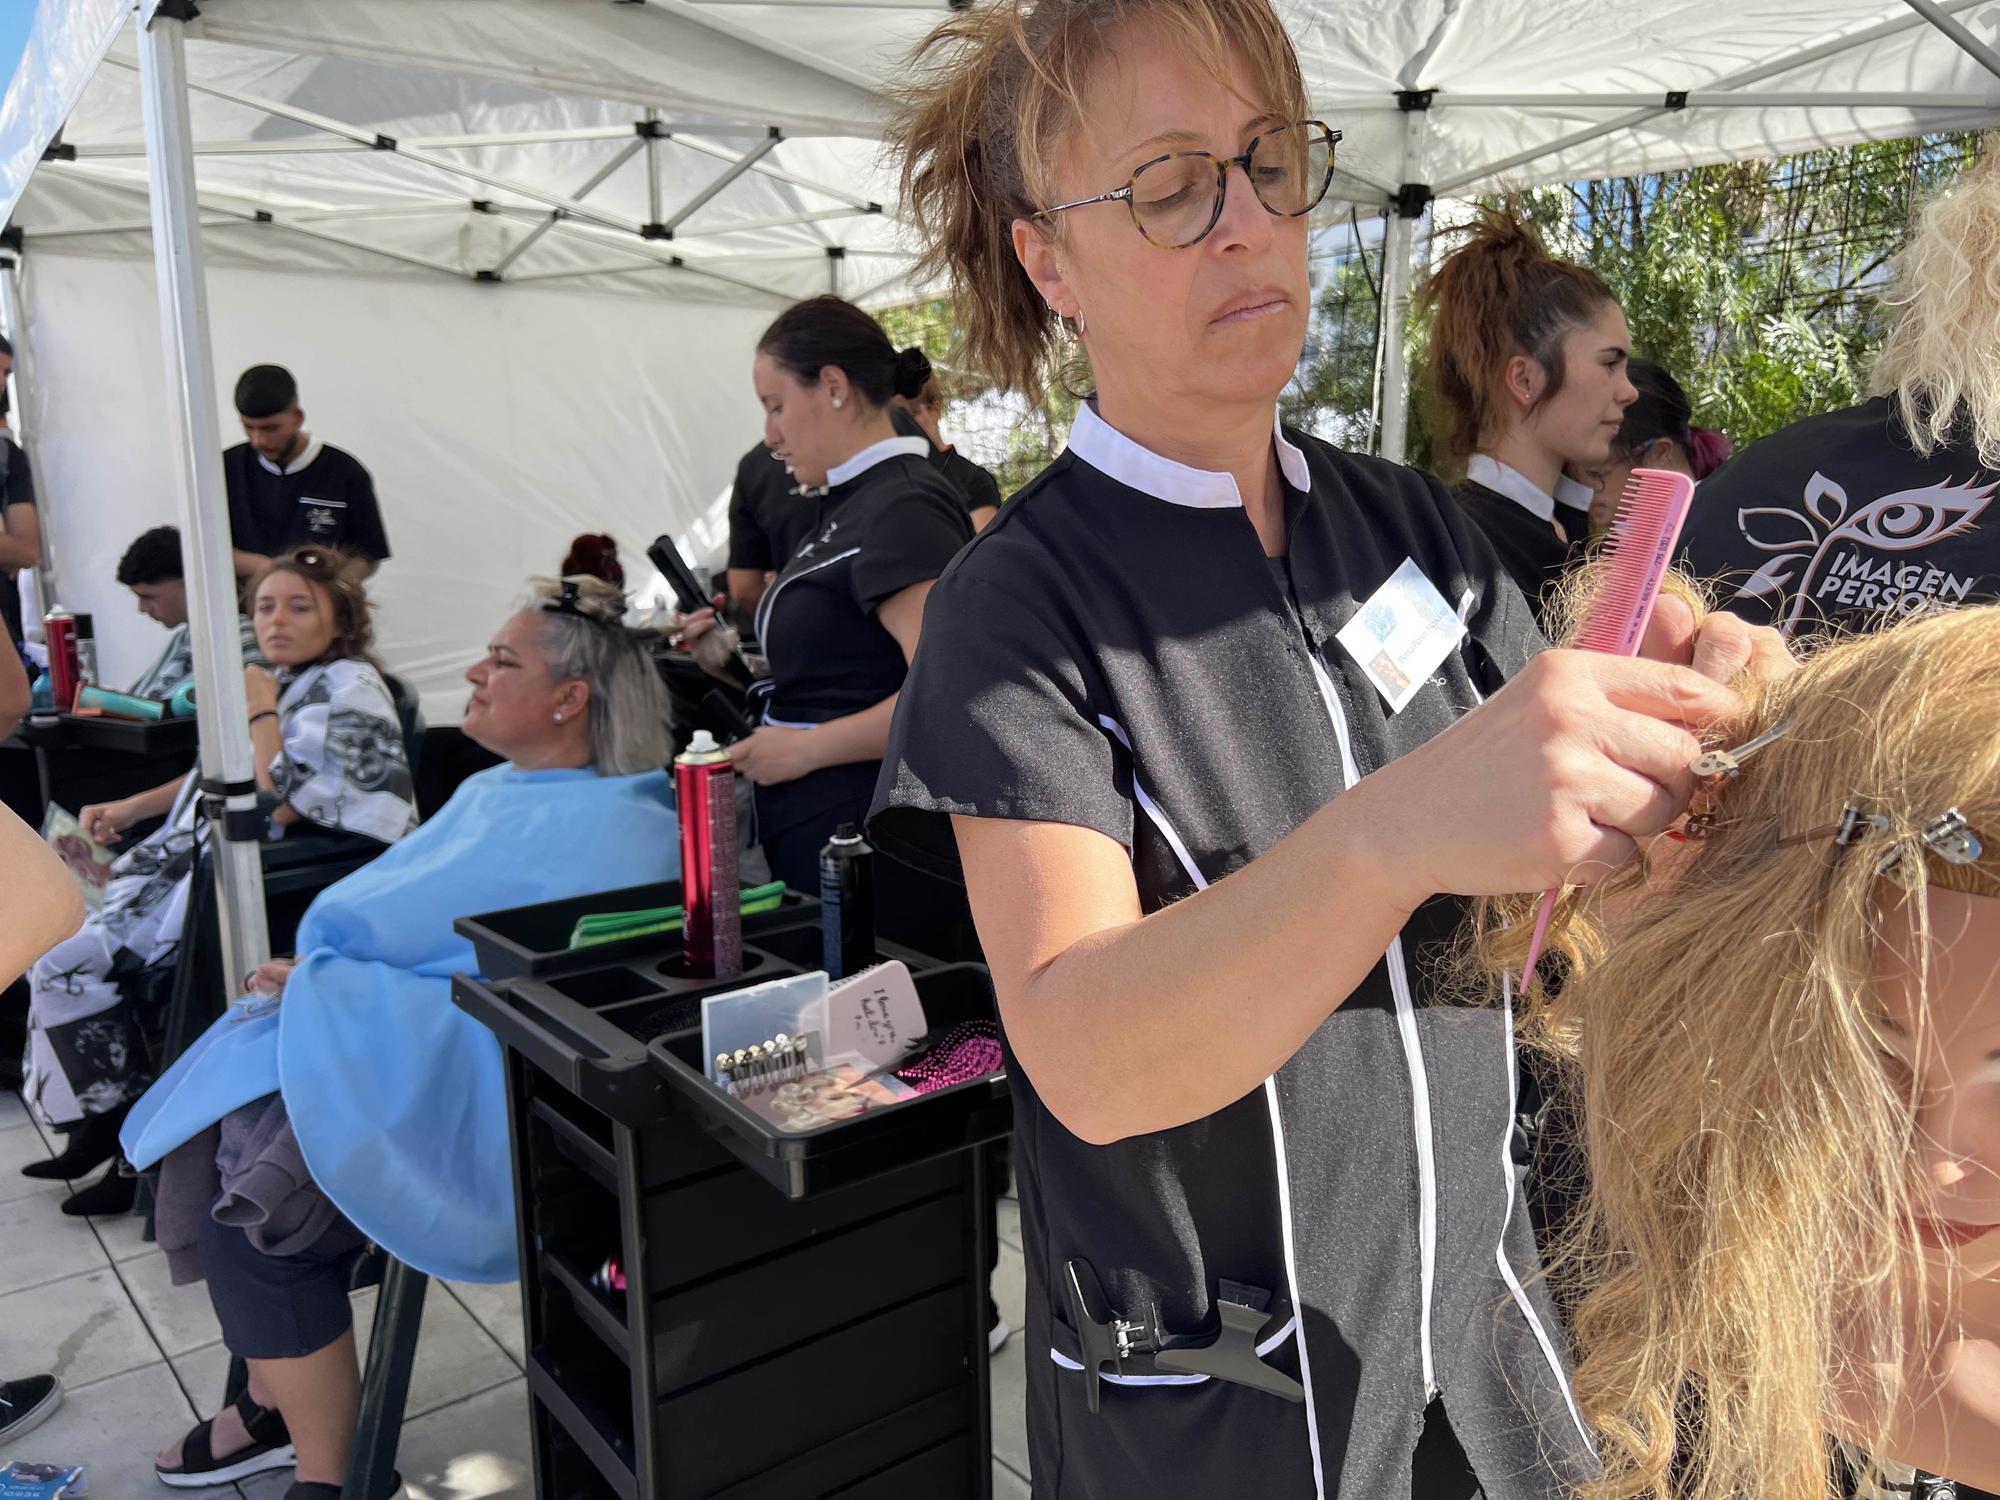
(497,422)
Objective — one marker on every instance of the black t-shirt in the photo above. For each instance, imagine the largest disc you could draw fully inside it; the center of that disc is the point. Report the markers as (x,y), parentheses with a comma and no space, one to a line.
(1527,546)
(1116,652)
(978,487)
(323,496)
(1838,521)
(891,524)
(18,490)
(768,517)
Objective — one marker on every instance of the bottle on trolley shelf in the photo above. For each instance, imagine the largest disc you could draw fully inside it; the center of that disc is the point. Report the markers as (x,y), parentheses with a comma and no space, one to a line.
(705,787)
(847,902)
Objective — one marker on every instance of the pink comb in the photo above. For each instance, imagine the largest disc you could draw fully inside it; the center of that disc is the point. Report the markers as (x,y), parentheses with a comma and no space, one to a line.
(1637,554)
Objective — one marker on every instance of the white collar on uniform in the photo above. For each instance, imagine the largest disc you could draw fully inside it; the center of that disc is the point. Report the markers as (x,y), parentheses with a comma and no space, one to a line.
(1110,452)
(1504,479)
(875,453)
(304,461)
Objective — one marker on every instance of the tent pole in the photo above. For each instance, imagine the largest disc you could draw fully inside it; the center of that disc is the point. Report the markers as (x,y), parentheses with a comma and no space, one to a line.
(654,192)
(1411,201)
(1977,50)
(228,776)
(14,315)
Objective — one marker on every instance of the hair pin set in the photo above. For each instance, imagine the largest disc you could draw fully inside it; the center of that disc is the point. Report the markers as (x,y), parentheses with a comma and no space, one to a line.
(1948,835)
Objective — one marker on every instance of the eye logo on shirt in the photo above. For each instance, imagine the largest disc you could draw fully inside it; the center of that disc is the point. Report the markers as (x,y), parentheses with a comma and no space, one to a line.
(1836,547)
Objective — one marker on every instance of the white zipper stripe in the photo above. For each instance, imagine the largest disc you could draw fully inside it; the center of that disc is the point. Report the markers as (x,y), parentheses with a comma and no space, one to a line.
(1507,1273)
(1159,820)
(764,605)
(1413,1059)
(1276,1339)
(1152,809)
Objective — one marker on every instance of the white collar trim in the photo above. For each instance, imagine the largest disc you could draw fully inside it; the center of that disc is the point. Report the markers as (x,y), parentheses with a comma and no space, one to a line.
(1110,452)
(875,453)
(1504,479)
(303,461)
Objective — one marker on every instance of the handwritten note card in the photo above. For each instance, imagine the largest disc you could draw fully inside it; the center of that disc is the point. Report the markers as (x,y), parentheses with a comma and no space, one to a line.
(876,1014)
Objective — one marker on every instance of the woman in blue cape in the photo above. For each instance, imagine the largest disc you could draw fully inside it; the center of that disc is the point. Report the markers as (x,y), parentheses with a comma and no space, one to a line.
(346,1099)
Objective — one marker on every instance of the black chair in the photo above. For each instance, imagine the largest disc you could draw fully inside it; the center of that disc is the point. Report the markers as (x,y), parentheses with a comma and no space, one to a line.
(410,715)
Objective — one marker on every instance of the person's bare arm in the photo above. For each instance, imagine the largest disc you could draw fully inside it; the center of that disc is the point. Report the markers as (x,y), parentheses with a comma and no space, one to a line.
(1130,1024)
(44,905)
(775,754)
(982,516)
(746,587)
(248,563)
(21,538)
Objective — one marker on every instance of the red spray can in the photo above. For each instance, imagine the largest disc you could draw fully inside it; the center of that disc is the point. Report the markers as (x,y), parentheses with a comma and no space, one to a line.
(705,787)
(65,671)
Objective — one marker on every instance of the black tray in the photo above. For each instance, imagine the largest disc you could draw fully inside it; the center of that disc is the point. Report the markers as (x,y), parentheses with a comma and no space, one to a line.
(532,942)
(813,1161)
(588,1028)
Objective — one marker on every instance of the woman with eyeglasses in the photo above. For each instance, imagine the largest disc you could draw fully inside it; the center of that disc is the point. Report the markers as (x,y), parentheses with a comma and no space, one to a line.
(1198,720)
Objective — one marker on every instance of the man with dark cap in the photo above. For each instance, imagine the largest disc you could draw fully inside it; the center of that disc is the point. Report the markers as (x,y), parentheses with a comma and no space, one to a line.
(286,488)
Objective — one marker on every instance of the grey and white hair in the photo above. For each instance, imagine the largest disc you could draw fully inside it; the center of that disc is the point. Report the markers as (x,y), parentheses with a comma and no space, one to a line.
(586,641)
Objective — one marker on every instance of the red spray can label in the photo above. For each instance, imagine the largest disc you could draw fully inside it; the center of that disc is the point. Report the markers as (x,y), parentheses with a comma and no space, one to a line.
(705,786)
(65,675)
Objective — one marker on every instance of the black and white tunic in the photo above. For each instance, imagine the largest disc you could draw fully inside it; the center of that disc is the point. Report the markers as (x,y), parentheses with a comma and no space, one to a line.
(1521,519)
(1116,652)
(341,764)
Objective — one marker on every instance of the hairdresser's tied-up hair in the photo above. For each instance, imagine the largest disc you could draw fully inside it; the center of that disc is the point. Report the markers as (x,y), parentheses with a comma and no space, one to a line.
(981,133)
(1746,1272)
(584,639)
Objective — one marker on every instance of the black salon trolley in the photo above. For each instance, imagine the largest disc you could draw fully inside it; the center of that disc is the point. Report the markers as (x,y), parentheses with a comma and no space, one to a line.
(804,1316)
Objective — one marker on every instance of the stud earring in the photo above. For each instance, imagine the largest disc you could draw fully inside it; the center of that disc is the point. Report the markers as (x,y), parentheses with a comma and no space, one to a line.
(559,716)
(836,403)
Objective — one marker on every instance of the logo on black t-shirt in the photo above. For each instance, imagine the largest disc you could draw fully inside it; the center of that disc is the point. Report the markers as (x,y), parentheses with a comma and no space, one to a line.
(1833,558)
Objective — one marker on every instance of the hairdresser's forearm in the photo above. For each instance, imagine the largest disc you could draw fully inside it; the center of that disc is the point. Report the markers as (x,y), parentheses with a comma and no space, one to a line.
(1167,1019)
(858,737)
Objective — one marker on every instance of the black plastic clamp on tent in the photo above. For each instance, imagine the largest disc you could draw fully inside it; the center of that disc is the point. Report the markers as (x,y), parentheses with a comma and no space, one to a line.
(1412,198)
(1677,99)
(1414,101)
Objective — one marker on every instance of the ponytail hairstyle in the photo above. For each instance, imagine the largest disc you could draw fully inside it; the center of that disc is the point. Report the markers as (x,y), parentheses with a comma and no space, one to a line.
(596,554)
(820,331)
(584,639)
(1498,295)
(998,96)
(1664,411)
(343,576)
(1745,1270)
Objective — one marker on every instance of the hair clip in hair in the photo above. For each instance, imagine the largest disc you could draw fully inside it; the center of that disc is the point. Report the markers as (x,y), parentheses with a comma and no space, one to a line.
(1854,826)
(1730,762)
(569,601)
(1951,838)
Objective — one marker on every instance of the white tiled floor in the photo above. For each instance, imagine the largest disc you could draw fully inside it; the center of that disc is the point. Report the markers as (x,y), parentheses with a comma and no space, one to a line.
(140,1360)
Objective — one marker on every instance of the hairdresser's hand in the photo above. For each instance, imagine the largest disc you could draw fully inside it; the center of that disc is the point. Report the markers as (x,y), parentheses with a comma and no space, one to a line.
(773,755)
(1550,782)
(712,643)
(260,690)
(103,822)
(1722,648)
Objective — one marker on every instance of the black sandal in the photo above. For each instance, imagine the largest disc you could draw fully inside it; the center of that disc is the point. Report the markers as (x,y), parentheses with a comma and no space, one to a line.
(270,1448)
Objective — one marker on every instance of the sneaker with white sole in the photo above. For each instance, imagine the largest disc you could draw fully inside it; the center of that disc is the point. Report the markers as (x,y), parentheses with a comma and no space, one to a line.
(27,1403)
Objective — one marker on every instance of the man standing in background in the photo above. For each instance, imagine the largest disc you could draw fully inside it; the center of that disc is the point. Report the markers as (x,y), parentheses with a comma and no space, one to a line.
(286,488)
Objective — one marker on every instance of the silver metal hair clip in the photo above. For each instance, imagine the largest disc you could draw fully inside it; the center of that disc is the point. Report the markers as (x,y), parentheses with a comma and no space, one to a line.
(1951,838)
(1730,762)
(1854,826)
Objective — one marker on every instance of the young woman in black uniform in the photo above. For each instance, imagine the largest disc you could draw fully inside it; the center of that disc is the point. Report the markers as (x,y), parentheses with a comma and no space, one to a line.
(840,622)
(1202,848)
(1528,358)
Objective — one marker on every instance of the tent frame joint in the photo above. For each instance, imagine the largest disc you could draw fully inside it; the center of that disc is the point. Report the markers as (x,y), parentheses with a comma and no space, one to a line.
(1414,101)
(655,231)
(1677,99)
(1412,198)
(176,10)
(652,129)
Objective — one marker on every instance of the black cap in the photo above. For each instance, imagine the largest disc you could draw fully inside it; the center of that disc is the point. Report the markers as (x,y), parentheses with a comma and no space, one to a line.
(266,390)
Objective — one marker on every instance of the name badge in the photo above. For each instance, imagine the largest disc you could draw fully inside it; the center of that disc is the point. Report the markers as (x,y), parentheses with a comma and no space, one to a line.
(1402,634)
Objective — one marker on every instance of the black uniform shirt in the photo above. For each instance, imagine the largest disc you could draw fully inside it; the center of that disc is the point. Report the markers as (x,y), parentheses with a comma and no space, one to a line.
(323,496)
(1836,520)
(978,487)
(768,517)
(1116,652)
(888,520)
(1520,520)
(18,489)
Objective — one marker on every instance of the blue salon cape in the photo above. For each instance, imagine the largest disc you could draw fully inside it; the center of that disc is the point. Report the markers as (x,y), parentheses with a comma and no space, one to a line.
(398,1097)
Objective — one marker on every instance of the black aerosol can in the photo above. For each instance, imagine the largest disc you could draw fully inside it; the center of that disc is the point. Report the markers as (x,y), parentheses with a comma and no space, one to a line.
(847,902)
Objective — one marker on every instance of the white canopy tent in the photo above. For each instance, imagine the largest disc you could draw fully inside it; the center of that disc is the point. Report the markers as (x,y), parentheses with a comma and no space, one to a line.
(518,250)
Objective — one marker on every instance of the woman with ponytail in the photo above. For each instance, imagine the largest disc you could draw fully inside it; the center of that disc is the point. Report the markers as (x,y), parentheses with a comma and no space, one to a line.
(1528,369)
(1658,433)
(839,624)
